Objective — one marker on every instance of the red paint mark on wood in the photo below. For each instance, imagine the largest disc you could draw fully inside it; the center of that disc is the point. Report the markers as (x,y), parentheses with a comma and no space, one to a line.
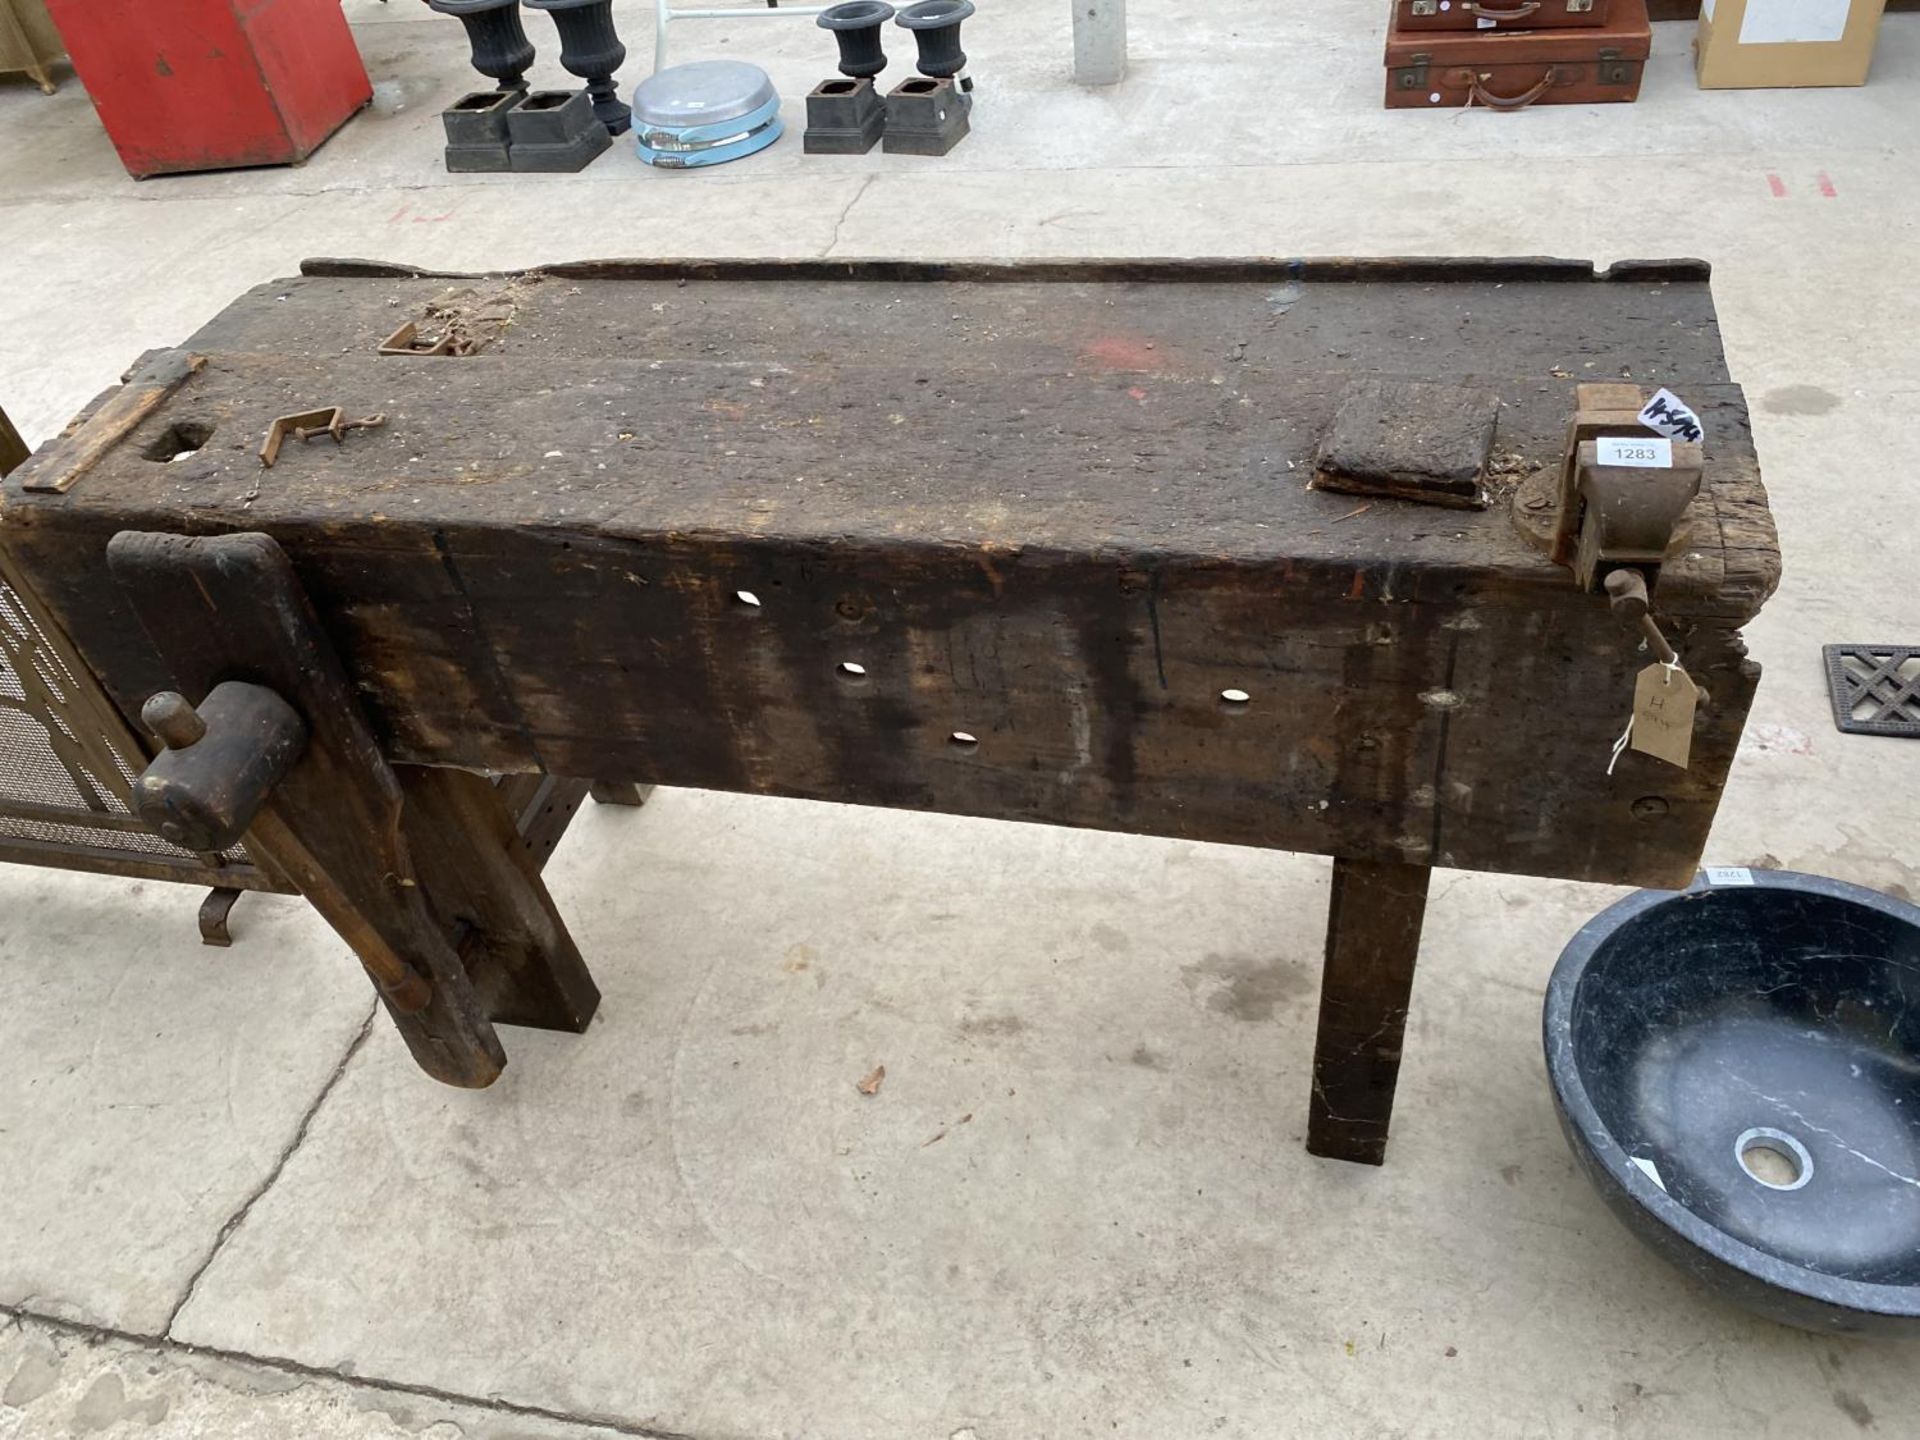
(1777,185)
(1121,352)
(1826,185)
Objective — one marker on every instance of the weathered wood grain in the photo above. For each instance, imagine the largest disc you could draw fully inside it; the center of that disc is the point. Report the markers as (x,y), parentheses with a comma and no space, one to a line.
(71,457)
(1061,515)
(1029,540)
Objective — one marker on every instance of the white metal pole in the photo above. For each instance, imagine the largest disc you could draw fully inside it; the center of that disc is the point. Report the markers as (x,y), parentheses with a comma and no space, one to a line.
(1099,41)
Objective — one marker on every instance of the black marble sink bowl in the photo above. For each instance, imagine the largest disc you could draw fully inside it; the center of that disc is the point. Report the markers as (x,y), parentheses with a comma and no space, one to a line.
(1737,1068)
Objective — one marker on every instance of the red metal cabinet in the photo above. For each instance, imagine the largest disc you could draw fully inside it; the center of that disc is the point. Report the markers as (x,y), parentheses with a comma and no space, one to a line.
(211,84)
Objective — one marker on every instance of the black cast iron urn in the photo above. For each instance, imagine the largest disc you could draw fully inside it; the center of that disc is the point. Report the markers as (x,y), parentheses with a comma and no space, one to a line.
(936,28)
(591,49)
(856,26)
(501,50)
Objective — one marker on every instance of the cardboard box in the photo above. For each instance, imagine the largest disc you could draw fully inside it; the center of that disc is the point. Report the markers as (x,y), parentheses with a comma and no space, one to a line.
(1765,44)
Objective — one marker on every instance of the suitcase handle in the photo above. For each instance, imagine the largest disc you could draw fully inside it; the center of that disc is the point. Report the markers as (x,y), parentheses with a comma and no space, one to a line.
(1496,12)
(1486,97)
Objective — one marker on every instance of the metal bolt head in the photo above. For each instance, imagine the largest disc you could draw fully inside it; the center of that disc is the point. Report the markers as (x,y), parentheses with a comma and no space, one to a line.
(177,723)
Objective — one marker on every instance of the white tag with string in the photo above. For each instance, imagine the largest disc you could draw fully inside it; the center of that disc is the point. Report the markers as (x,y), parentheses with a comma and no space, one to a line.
(1661,725)
(1664,700)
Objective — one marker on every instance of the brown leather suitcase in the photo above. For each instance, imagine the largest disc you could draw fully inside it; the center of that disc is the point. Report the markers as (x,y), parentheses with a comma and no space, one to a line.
(1499,14)
(1512,69)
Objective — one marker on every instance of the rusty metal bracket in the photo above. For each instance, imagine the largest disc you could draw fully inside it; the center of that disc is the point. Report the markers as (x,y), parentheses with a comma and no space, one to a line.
(214,911)
(408,340)
(308,423)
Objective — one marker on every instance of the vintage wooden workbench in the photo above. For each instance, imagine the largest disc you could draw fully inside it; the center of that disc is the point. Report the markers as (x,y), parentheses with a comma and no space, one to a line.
(1025,541)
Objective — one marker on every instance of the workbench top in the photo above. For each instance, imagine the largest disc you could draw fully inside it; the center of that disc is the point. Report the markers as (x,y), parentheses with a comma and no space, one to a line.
(1030,541)
(1130,408)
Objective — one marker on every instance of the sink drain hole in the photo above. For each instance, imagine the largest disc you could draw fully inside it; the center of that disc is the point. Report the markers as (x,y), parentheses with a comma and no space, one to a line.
(1774,1158)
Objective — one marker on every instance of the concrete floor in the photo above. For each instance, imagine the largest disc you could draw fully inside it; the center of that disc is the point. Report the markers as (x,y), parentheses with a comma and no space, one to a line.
(228,1206)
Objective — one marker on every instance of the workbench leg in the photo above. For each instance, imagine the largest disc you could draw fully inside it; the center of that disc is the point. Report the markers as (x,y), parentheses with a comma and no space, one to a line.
(523,964)
(1373,939)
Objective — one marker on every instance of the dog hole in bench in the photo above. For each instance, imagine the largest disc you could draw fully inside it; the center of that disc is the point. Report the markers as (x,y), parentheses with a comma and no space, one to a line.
(178,440)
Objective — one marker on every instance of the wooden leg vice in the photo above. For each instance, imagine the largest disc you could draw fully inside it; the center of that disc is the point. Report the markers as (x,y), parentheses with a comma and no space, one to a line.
(419,870)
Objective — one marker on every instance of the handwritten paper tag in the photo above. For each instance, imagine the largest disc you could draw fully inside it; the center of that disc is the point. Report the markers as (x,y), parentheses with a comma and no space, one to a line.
(1653,453)
(1668,414)
(1664,700)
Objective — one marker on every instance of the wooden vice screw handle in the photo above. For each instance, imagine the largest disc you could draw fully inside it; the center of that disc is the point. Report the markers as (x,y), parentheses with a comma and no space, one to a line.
(221,762)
